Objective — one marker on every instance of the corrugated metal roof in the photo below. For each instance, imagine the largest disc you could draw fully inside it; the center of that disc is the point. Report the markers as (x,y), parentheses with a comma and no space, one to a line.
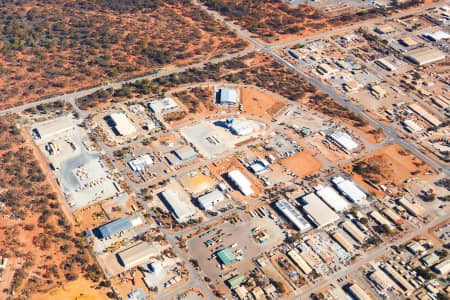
(226,256)
(114,227)
(228,96)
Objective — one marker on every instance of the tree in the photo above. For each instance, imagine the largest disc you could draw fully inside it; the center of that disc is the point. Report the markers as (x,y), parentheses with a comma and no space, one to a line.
(364,221)
(279,286)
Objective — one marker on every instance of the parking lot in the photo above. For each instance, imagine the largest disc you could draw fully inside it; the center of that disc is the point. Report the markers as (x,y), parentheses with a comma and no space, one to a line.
(240,238)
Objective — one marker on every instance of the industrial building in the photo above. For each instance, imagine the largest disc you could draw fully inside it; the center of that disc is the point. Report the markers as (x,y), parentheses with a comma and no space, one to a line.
(116,226)
(418,109)
(345,243)
(140,163)
(185,153)
(414,209)
(122,124)
(415,248)
(430,259)
(163,105)
(227,96)
(437,36)
(49,129)
(332,198)
(240,128)
(235,281)
(326,69)
(181,210)
(380,219)
(299,261)
(343,140)
(354,231)
(425,56)
(241,182)
(259,166)
(393,216)
(381,280)
(349,189)
(412,126)
(318,212)
(443,268)
(137,254)
(401,282)
(209,200)
(386,65)
(357,292)
(226,256)
(378,91)
(293,215)
(384,29)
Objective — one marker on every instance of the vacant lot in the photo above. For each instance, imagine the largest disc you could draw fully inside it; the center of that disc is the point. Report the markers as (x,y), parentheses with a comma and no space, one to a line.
(61,46)
(80,289)
(389,164)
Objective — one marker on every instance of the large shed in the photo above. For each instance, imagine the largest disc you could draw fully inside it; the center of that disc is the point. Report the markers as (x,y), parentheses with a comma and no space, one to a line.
(137,254)
(122,124)
(293,215)
(226,256)
(318,212)
(227,96)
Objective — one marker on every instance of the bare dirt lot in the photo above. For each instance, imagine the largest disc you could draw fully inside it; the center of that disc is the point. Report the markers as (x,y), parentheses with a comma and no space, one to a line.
(81,289)
(303,164)
(258,103)
(391,163)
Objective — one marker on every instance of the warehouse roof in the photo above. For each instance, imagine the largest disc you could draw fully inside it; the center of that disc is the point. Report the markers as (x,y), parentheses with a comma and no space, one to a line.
(137,254)
(430,259)
(293,215)
(299,261)
(226,256)
(418,109)
(241,128)
(185,153)
(344,242)
(228,96)
(349,189)
(443,267)
(358,292)
(344,140)
(332,198)
(209,199)
(437,36)
(122,124)
(241,182)
(162,105)
(49,129)
(425,55)
(181,210)
(114,227)
(354,231)
(414,209)
(140,163)
(318,212)
(235,281)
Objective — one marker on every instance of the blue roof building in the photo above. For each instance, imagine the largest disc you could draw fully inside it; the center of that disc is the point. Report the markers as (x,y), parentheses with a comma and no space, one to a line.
(114,227)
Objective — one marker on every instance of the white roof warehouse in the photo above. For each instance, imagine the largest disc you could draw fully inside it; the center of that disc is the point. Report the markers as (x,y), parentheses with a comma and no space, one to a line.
(318,212)
(241,182)
(137,254)
(122,124)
